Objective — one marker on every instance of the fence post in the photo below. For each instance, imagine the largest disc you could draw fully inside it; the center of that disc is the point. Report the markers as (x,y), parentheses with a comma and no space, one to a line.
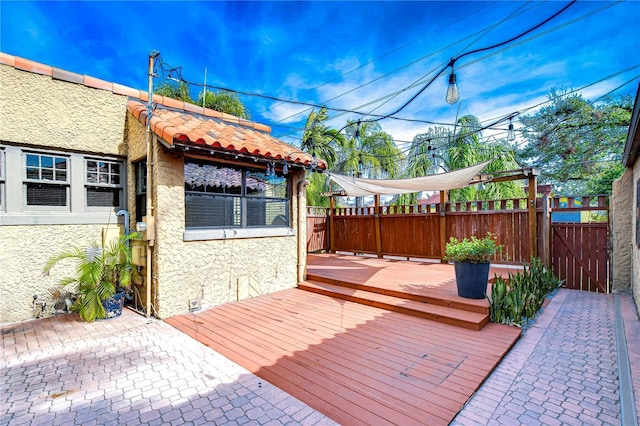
(376,214)
(546,231)
(443,224)
(531,202)
(332,211)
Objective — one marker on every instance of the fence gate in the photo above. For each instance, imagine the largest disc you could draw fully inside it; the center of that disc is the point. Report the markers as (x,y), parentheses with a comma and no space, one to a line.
(579,251)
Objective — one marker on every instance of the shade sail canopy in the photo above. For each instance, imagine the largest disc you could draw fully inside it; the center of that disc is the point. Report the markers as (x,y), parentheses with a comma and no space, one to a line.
(356,187)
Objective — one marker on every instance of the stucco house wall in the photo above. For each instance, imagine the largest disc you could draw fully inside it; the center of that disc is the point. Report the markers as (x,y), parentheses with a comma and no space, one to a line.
(622,217)
(39,111)
(209,272)
(626,214)
(43,109)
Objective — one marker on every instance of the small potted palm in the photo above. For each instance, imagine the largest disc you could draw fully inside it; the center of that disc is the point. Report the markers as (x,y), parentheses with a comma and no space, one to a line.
(472,260)
(102,274)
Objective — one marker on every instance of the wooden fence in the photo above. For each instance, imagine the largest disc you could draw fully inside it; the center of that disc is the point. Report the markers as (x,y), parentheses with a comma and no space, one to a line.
(577,251)
(422,231)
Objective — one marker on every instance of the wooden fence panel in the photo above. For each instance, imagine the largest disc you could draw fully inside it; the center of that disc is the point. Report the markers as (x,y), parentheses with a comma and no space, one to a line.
(509,226)
(355,234)
(317,233)
(414,235)
(579,255)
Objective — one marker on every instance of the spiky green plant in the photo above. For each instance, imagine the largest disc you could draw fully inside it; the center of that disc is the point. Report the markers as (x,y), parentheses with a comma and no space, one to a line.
(99,271)
(518,299)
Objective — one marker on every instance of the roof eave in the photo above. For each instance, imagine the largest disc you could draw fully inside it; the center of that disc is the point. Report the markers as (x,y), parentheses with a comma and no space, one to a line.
(632,145)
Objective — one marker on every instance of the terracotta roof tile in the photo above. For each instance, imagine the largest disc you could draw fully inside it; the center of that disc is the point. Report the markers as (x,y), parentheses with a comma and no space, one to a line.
(119,89)
(31,66)
(7,59)
(193,124)
(197,129)
(96,83)
(63,75)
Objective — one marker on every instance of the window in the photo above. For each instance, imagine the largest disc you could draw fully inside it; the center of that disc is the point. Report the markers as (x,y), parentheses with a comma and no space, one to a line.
(218,196)
(103,183)
(48,187)
(46,180)
(141,189)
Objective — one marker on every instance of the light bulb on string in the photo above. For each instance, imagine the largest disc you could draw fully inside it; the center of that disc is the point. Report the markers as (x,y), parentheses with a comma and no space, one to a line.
(285,169)
(452,91)
(511,134)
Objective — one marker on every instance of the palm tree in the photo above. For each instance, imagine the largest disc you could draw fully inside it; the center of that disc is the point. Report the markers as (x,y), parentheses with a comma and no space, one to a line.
(321,142)
(369,152)
(100,270)
(467,148)
(441,149)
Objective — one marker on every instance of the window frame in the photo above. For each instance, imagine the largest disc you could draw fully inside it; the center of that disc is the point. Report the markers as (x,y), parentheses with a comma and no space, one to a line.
(243,230)
(87,185)
(15,210)
(66,183)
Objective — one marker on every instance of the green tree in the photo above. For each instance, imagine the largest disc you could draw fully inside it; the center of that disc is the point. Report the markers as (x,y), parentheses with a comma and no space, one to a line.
(174,90)
(324,143)
(468,148)
(320,140)
(369,152)
(576,143)
(441,149)
(224,101)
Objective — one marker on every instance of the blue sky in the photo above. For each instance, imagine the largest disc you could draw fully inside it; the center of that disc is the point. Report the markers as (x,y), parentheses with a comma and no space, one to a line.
(355,53)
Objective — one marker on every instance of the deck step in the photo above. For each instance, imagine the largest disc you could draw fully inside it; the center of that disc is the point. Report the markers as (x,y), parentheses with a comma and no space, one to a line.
(458,303)
(443,314)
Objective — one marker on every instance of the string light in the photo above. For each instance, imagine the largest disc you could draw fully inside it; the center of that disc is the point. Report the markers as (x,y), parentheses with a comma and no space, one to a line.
(452,91)
(511,134)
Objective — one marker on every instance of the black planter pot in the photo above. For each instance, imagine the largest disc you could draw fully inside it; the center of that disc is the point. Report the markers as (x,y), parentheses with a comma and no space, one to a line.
(472,279)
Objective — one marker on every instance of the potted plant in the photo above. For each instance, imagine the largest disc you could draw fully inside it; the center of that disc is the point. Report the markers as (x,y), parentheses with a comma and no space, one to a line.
(471,260)
(103,273)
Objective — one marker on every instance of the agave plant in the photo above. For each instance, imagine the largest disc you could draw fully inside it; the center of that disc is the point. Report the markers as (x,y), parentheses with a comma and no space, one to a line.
(100,271)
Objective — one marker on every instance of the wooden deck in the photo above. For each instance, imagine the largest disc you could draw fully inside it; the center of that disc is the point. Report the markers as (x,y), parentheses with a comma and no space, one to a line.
(355,363)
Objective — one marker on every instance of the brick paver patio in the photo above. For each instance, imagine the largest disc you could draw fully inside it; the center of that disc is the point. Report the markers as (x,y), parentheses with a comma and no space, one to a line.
(60,371)
(563,371)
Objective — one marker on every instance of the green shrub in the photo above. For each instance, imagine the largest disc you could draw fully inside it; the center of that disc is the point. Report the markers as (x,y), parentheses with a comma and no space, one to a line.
(474,250)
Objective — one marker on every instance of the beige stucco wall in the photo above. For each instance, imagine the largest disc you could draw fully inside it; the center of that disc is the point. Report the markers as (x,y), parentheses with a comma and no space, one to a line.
(38,110)
(621,230)
(24,251)
(625,253)
(210,271)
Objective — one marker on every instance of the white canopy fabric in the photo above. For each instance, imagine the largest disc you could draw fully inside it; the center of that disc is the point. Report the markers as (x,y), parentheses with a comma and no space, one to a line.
(356,187)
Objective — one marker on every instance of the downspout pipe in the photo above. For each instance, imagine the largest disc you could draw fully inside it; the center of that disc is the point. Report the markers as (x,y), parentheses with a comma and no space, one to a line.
(302,230)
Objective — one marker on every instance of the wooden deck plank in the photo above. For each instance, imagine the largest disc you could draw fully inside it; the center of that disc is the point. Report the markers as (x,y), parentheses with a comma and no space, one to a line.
(355,363)
(337,355)
(447,315)
(392,345)
(335,367)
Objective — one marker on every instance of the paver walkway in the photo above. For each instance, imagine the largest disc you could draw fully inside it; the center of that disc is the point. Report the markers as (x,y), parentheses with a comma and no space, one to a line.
(56,371)
(564,370)
(60,371)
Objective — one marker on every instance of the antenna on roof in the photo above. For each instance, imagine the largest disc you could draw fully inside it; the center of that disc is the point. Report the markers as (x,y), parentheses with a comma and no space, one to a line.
(204,87)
